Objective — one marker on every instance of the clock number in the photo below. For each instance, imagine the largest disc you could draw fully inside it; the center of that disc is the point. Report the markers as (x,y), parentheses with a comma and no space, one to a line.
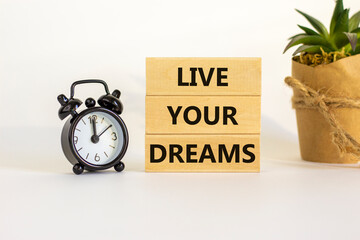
(76,139)
(115,137)
(97,157)
(92,117)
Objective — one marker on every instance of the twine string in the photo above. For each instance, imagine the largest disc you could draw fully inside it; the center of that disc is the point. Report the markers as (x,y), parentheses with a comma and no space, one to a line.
(311,99)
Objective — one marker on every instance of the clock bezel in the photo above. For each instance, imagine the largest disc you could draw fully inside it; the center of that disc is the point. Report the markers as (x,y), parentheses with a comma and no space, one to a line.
(87,165)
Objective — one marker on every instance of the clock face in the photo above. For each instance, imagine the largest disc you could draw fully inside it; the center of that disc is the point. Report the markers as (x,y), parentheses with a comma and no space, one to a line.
(98,138)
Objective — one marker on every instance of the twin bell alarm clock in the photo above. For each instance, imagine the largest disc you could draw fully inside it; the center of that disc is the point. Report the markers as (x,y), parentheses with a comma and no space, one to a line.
(95,138)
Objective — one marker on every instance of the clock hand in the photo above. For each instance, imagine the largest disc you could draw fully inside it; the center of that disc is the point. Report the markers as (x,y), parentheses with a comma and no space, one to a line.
(94,138)
(104,130)
(94,125)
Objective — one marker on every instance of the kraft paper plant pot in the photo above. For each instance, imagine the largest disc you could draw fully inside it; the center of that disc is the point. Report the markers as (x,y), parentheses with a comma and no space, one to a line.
(339,79)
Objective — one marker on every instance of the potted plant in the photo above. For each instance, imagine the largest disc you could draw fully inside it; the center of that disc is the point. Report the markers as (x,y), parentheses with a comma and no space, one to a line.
(326,84)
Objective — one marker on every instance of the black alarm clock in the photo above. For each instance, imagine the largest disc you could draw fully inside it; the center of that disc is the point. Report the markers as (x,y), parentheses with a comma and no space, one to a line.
(96,138)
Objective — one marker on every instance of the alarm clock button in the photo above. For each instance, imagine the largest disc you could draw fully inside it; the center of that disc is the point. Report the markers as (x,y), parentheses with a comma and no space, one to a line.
(90,102)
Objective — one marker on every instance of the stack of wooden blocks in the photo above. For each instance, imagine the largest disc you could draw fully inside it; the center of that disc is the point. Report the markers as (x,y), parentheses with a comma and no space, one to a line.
(203,114)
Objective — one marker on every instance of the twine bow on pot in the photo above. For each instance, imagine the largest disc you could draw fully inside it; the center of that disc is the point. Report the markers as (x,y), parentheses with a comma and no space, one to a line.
(311,99)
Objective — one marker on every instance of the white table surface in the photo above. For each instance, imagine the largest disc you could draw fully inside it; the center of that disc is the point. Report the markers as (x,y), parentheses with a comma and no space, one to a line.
(290,199)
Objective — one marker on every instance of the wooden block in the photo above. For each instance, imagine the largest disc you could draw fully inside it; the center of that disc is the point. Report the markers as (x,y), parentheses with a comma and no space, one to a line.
(202,153)
(196,114)
(224,76)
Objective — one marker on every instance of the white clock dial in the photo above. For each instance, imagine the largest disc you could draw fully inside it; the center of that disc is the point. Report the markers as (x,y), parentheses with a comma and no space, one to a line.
(104,145)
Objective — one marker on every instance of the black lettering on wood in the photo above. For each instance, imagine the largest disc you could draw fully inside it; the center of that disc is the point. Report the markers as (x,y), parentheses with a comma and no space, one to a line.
(230,115)
(210,155)
(250,154)
(173,153)
(206,116)
(220,76)
(206,80)
(173,114)
(190,153)
(198,115)
(152,153)
(235,150)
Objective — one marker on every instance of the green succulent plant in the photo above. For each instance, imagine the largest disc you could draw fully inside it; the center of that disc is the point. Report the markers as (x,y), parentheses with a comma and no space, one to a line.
(343,34)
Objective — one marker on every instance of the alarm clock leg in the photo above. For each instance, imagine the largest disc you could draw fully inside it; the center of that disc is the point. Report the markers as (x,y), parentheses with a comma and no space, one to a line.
(78,169)
(119,167)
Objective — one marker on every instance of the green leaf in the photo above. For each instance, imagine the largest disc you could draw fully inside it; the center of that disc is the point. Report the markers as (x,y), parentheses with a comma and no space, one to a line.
(354,21)
(308,30)
(306,40)
(340,40)
(357,30)
(339,8)
(311,49)
(349,49)
(352,39)
(357,49)
(342,24)
(316,24)
(301,34)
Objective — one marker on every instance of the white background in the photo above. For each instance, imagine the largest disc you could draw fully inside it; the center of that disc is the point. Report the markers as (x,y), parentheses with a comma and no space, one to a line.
(45,45)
